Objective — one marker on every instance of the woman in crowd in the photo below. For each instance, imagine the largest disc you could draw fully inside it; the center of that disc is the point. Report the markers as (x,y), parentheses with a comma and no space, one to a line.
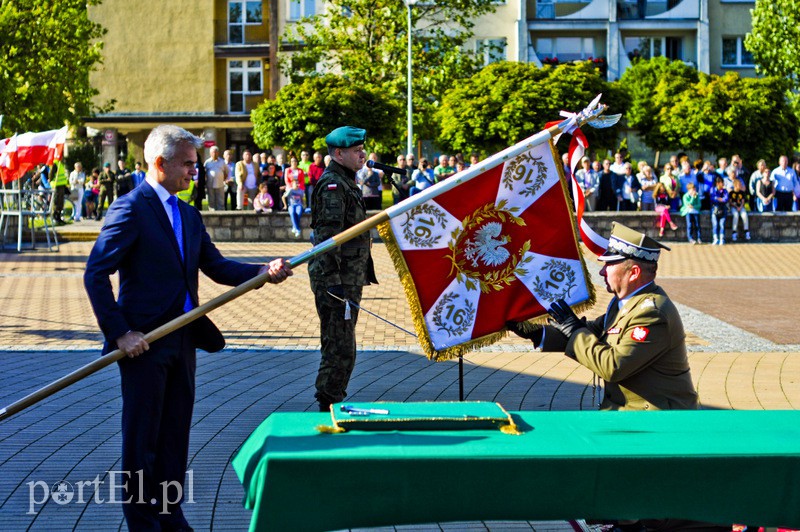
(671,183)
(294,174)
(294,200)
(274,180)
(765,190)
(649,184)
(662,201)
(77,182)
(719,210)
(91,191)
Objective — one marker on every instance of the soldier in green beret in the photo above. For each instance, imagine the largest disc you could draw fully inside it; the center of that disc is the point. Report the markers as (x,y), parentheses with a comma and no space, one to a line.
(638,347)
(337,277)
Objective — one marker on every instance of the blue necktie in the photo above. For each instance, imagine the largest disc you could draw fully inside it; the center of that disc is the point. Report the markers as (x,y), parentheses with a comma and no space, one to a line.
(177,228)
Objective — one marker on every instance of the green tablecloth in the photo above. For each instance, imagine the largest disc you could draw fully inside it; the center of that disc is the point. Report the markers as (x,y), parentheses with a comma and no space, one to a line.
(716,466)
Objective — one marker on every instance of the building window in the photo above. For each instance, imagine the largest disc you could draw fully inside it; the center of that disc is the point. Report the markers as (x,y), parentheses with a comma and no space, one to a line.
(734,54)
(302,8)
(492,50)
(242,13)
(564,49)
(641,47)
(244,79)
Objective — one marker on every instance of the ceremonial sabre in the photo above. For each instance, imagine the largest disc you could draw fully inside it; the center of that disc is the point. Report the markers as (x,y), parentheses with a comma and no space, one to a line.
(591,115)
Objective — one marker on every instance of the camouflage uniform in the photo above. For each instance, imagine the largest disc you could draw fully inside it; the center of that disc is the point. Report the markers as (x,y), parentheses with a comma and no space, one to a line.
(337,205)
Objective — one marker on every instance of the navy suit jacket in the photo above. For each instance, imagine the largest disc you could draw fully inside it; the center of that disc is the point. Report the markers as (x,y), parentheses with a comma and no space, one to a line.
(138,241)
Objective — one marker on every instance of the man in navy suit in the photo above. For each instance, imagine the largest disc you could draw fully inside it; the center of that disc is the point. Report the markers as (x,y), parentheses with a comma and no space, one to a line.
(158,244)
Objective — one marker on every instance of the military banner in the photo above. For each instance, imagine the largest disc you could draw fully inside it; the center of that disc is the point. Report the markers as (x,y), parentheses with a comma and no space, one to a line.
(501,248)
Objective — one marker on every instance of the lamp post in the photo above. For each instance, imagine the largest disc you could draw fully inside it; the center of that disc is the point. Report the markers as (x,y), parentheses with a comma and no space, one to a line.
(409,124)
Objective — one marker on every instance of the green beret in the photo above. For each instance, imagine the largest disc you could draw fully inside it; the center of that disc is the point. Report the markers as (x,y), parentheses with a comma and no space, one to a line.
(346,137)
(625,243)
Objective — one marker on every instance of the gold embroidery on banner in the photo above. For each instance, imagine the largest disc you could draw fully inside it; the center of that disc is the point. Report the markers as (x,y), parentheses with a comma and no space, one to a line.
(478,249)
(522,168)
(418,228)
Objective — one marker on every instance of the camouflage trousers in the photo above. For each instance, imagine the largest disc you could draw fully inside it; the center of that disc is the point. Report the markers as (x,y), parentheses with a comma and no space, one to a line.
(338,341)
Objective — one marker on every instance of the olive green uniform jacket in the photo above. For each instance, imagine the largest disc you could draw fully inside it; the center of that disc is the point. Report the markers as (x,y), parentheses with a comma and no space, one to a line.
(337,205)
(639,351)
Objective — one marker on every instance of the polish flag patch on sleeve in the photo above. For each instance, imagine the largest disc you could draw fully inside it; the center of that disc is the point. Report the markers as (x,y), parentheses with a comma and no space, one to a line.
(332,186)
(639,334)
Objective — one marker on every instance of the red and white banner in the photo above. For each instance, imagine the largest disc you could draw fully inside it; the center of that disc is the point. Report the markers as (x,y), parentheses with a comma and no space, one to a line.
(23,152)
(502,247)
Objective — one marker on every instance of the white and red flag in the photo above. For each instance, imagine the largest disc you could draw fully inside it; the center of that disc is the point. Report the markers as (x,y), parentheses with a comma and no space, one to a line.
(502,247)
(20,153)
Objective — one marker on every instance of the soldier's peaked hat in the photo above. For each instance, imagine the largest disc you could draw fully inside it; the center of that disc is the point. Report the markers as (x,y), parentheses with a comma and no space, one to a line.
(625,243)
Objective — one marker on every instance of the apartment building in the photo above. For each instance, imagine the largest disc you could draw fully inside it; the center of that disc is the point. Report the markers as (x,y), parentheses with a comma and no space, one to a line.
(200,64)
(708,34)
(205,64)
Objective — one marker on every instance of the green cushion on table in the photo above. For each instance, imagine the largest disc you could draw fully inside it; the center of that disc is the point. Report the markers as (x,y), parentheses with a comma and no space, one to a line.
(470,415)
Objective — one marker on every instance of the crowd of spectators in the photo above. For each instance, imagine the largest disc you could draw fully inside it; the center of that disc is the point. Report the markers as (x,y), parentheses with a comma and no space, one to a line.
(722,193)
(692,189)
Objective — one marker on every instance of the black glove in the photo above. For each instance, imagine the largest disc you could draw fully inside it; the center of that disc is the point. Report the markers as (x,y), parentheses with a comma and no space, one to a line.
(564,319)
(525,329)
(336,290)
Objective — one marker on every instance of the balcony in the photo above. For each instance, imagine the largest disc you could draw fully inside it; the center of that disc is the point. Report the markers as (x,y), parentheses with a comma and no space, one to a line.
(658,9)
(626,10)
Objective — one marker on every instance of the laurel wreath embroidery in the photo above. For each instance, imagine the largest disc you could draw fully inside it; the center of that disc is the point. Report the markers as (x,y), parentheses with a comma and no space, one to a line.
(422,236)
(516,170)
(559,272)
(496,279)
(466,315)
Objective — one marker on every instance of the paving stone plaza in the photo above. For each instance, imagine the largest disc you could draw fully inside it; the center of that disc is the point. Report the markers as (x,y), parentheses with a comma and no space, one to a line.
(737,301)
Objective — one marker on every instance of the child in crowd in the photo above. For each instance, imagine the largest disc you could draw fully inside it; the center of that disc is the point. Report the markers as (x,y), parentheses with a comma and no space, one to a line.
(263,202)
(662,200)
(691,211)
(719,210)
(91,191)
(737,201)
(296,201)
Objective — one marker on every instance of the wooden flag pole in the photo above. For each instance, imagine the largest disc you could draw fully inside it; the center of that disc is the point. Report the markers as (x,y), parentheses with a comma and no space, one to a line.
(327,245)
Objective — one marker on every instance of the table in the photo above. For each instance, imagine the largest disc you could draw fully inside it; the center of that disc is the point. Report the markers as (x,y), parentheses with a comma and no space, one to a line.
(716,466)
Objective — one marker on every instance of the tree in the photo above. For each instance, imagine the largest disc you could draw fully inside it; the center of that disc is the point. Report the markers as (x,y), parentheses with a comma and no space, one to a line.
(366,41)
(302,114)
(507,102)
(47,50)
(775,38)
(729,114)
(640,82)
